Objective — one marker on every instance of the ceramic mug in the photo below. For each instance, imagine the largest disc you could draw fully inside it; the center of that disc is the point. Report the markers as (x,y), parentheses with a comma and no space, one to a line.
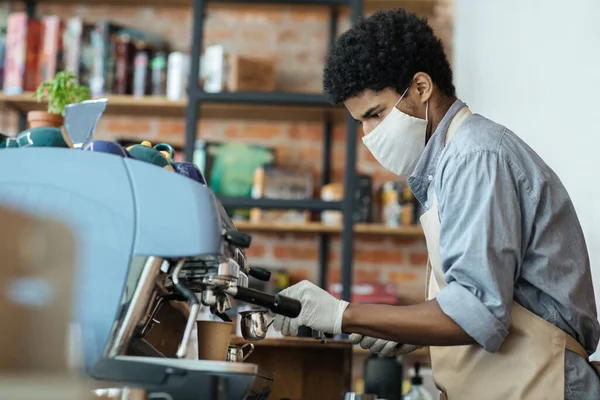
(190,170)
(236,353)
(7,142)
(166,150)
(104,146)
(45,136)
(158,155)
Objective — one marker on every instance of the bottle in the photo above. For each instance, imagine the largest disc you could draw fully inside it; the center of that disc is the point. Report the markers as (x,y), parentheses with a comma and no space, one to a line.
(381,377)
(417,392)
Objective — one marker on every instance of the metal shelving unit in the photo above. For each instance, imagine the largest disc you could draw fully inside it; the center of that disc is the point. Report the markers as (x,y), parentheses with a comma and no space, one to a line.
(197,96)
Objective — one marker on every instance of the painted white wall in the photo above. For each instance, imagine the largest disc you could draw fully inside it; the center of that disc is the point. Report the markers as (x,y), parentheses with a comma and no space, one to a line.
(534,66)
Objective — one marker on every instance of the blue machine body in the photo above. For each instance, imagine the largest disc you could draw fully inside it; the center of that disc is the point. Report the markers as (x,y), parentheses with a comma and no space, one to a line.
(118,208)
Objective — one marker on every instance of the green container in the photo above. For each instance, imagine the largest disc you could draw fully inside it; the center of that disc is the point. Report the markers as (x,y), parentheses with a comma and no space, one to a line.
(8,143)
(160,155)
(45,136)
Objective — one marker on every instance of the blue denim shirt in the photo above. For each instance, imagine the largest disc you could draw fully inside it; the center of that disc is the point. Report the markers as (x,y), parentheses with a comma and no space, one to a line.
(508,231)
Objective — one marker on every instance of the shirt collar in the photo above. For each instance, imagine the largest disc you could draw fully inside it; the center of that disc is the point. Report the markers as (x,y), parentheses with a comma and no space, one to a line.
(423,174)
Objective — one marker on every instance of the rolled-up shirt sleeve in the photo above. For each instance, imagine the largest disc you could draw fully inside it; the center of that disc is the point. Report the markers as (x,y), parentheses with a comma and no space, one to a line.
(480,243)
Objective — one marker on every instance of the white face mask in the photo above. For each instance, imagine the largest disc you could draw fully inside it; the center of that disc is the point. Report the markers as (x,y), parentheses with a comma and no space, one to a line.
(398,141)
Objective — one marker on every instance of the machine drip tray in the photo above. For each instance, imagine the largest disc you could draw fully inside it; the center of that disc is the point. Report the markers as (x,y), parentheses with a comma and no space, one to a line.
(176,379)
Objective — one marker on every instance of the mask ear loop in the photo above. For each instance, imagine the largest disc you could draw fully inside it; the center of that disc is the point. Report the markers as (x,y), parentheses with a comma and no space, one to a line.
(401,97)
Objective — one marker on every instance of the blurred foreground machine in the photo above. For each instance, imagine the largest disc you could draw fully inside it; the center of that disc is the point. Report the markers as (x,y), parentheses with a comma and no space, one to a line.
(146,239)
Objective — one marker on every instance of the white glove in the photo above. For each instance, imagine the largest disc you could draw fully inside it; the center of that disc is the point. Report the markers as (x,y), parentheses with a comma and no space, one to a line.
(320,310)
(384,347)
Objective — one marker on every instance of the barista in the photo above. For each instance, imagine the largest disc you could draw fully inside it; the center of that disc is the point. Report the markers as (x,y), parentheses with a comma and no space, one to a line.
(510,304)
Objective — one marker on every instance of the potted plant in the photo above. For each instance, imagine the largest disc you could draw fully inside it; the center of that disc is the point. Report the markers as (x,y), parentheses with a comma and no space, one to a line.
(60,91)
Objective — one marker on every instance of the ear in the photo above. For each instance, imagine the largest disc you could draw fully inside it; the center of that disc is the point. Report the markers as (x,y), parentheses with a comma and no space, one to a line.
(424,85)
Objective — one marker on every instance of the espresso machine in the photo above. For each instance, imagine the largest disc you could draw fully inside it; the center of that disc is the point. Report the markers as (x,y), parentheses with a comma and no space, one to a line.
(152,247)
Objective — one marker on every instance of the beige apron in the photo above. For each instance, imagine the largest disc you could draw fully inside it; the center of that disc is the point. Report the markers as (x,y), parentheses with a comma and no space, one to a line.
(530,363)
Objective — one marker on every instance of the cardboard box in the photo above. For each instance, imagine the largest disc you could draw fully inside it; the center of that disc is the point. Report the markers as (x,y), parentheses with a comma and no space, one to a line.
(250,74)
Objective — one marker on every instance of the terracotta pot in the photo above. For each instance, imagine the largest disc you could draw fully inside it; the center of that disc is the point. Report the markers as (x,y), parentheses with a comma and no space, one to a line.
(38,119)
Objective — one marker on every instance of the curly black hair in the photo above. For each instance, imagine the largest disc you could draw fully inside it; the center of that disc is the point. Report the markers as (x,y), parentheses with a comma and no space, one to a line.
(383,51)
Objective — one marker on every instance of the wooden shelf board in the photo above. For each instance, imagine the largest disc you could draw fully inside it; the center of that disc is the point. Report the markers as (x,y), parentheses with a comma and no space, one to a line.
(138,3)
(422,7)
(417,6)
(422,352)
(312,343)
(317,227)
(154,106)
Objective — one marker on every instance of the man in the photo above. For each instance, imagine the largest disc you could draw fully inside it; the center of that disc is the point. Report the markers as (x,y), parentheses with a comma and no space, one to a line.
(510,310)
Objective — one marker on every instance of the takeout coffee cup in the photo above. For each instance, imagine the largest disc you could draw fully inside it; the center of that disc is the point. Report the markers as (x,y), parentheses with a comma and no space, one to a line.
(213,340)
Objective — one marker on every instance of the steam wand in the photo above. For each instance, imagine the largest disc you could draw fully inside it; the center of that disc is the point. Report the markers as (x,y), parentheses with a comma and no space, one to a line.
(194,309)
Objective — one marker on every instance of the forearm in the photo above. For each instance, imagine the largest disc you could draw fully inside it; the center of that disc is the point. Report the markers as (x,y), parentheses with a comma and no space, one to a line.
(422,324)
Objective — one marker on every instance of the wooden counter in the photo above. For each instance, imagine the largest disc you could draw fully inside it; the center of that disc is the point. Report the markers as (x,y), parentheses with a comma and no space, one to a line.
(304,368)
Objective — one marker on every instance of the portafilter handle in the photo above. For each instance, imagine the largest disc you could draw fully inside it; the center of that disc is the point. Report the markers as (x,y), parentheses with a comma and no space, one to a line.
(278,304)
(261,274)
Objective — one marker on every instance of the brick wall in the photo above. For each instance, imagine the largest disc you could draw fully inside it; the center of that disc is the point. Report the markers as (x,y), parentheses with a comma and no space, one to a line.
(297,37)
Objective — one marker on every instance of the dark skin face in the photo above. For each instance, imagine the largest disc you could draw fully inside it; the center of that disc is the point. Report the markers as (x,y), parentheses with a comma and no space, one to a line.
(370,107)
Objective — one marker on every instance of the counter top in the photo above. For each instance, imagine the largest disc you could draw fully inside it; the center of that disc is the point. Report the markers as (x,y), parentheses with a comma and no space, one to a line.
(305,342)
(422,352)
(296,342)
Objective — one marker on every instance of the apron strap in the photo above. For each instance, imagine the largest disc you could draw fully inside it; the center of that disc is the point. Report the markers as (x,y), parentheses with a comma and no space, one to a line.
(456,122)
(575,347)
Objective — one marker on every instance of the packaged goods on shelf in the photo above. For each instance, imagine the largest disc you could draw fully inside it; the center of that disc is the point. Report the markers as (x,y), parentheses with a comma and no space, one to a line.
(390,205)
(104,40)
(108,57)
(278,183)
(112,58)
(229,168)
(78,51)
(398,204)
(141,65)
(51,54)
(222,71)
(178,71)
(158,74)
(22,52)
(125,53)
(3,27)
(363,199)
(332,192)
(2,53)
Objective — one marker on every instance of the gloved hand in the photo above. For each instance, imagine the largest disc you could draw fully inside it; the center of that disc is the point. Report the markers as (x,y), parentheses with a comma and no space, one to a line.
(320,310)
(384,347)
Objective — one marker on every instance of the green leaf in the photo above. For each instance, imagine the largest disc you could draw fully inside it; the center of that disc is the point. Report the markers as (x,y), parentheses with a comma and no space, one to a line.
(61,91)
